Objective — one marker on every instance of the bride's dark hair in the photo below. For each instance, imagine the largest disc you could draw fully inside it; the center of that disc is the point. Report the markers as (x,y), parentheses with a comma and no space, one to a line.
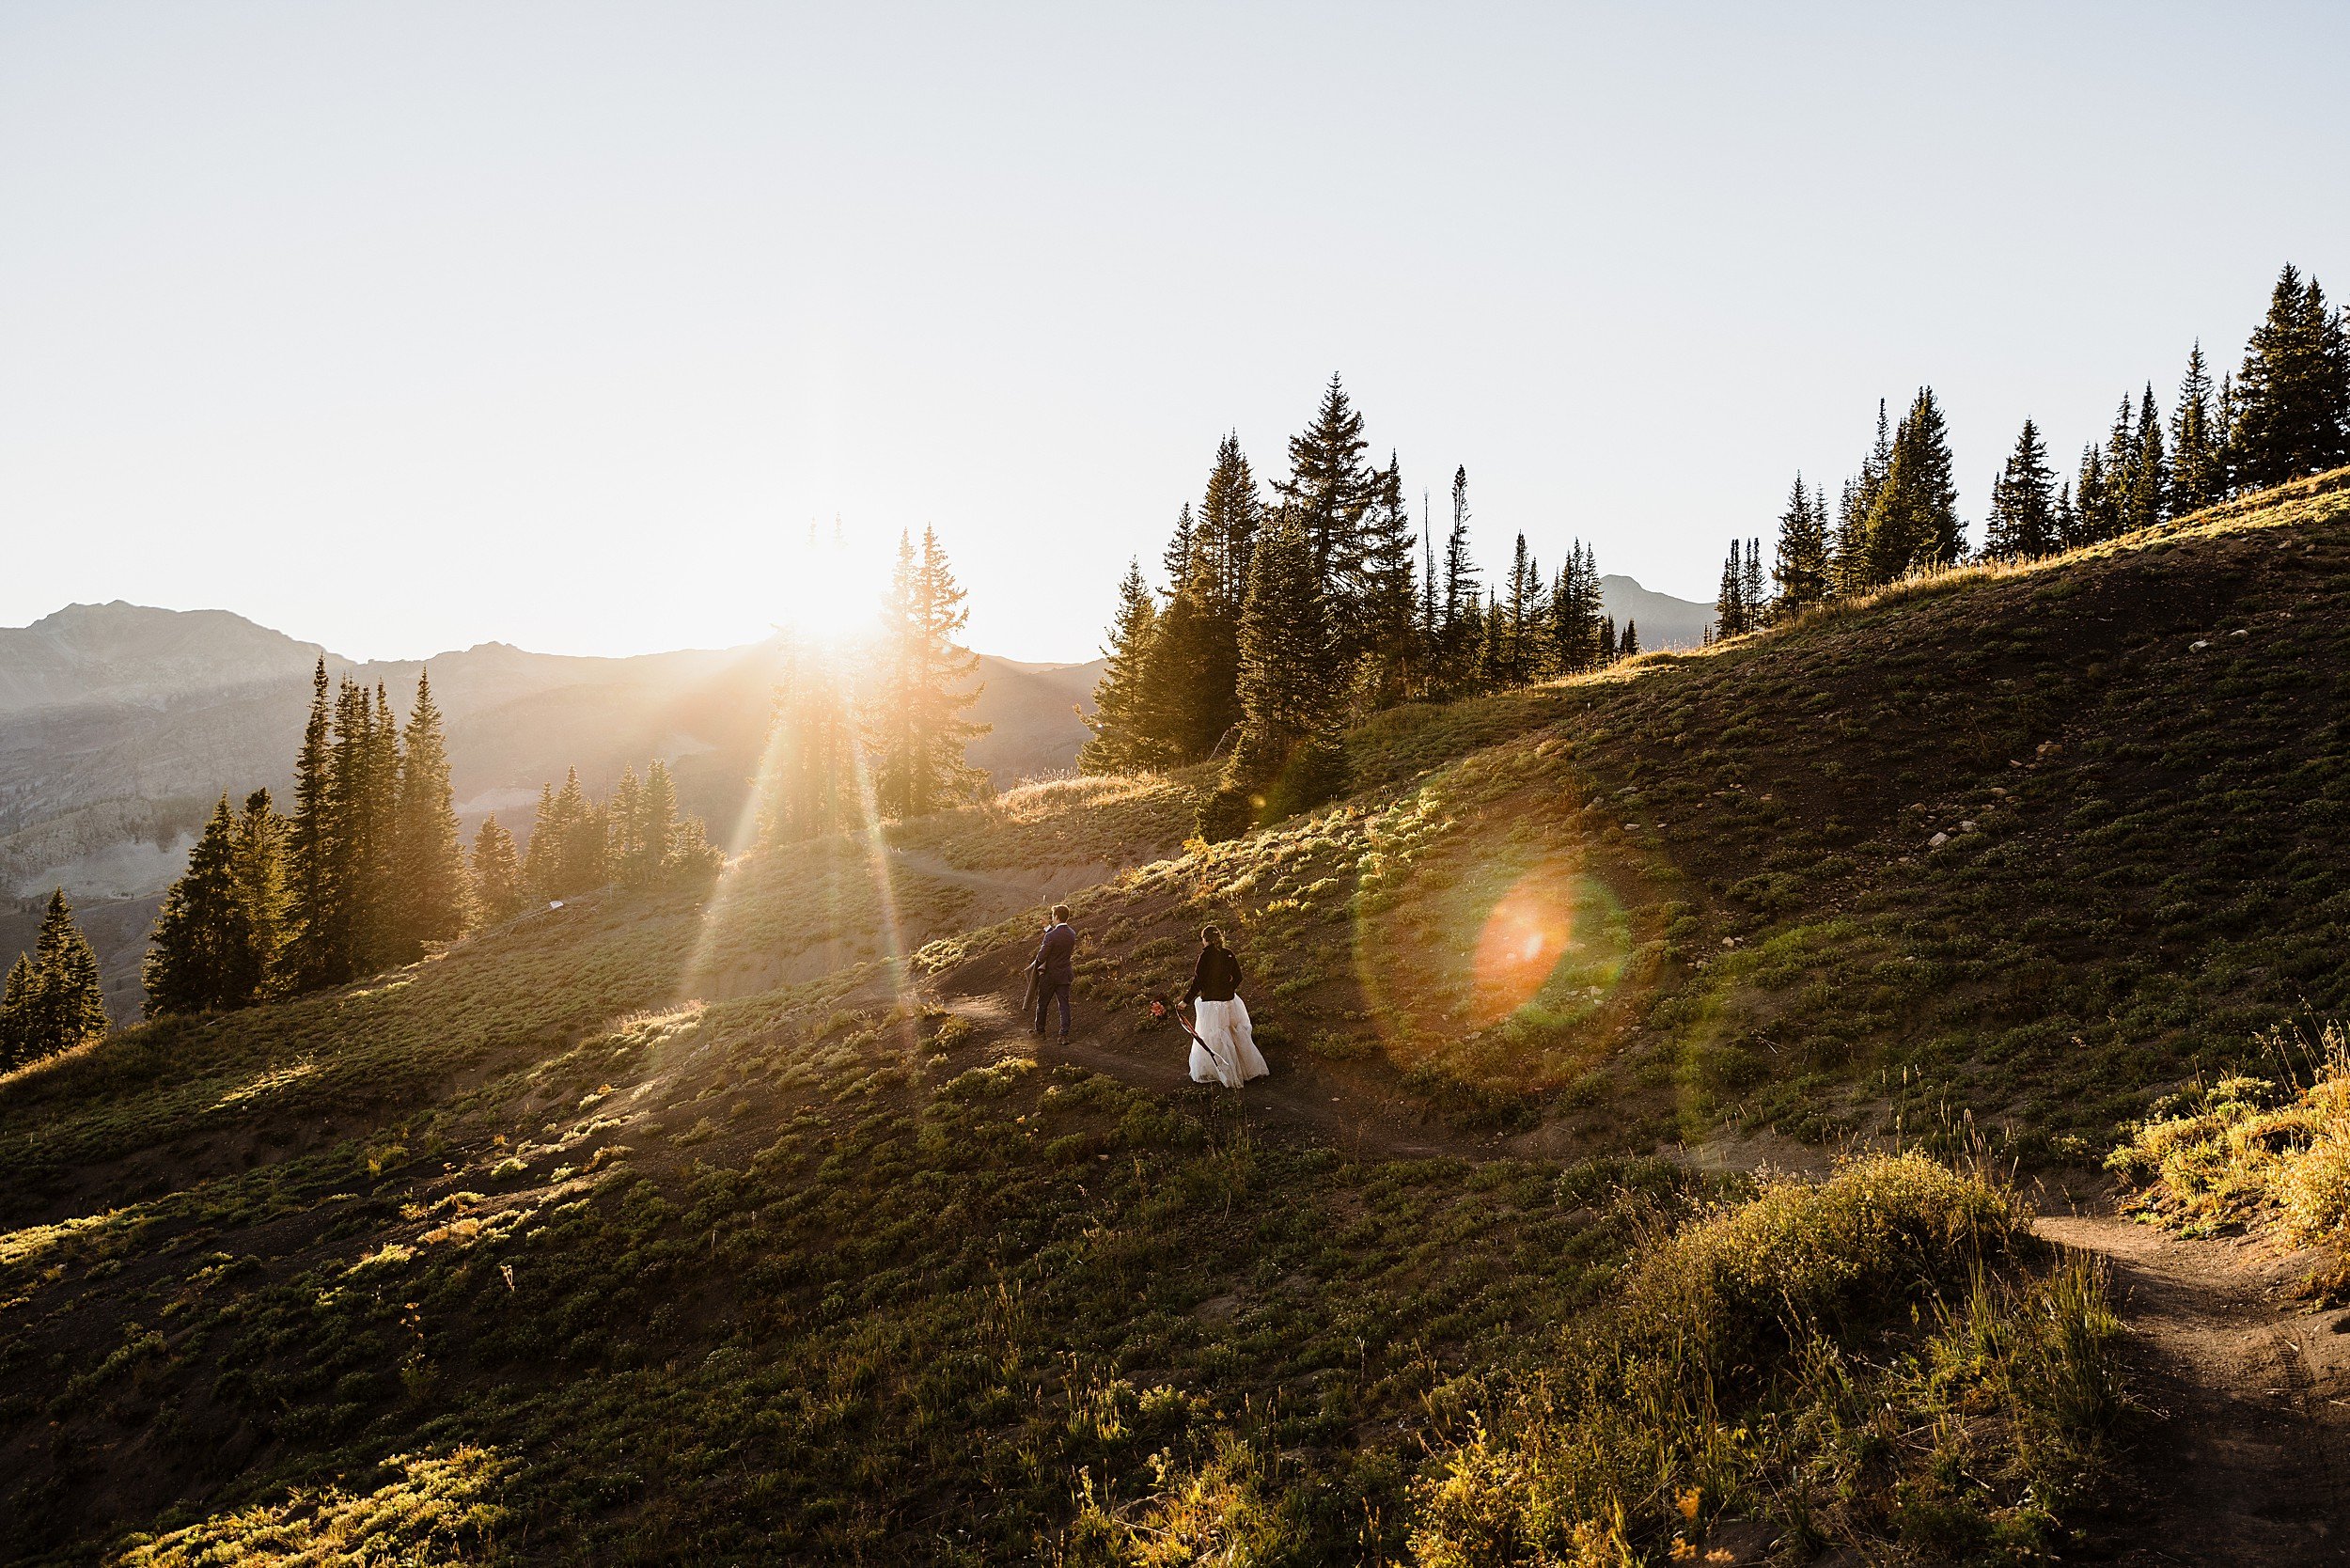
(1211,936)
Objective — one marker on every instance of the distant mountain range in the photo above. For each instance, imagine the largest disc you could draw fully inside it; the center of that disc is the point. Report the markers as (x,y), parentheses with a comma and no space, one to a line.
(120,724)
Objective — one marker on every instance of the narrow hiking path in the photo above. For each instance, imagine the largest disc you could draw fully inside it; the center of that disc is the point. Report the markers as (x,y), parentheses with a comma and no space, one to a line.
(1352,1111)
(2247,1458)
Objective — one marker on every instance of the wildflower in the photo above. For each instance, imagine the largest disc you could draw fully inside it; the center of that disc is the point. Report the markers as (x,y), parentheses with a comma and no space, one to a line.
(1720,1555)
(1687,1502)
(1682,1551)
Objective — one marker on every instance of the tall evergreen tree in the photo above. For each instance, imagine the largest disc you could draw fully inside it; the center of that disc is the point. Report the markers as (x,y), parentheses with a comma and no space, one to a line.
(1732,614)
(261,864)
(2146,484)
(2199,472)
(1629,643)
(1803,565)
(1912,520)
(631,854)
(1581,636)
(497,873)
(428,899)
(1176,560)
(68,1002)
(807,775)
(310,845)
(1125,734)
(1750,582)
(17,1003)
(2097,505)
(1191,685)
(1328,487)
(1231,515)
(2291,415)
(202,956)
(916,727)
(1287,757)
(542,856)
(1525,621)
(2022,522)
(1458,634)
(1384,635)
(1853,568)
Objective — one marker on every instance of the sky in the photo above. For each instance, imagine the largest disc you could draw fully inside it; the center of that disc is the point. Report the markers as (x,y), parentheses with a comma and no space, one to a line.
(403,327)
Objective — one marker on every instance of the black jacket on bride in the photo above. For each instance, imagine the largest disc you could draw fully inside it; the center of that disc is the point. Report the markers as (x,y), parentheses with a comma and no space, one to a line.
(1215,978)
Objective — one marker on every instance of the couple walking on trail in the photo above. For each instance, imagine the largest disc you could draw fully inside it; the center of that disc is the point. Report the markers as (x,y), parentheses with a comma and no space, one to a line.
(1223,1048)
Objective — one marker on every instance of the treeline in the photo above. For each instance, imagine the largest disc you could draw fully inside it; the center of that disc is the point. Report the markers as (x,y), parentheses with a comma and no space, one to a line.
(369,869)
(1286,618)
(52,1000)
(2284,414)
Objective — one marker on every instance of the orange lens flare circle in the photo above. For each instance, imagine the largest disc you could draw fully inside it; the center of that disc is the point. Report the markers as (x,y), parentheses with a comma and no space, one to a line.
(1529,931)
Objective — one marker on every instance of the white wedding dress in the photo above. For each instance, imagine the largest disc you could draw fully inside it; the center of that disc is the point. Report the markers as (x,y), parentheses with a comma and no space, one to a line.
(1225,1052)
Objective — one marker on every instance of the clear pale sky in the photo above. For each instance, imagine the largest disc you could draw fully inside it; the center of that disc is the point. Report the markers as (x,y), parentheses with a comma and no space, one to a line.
(401,327)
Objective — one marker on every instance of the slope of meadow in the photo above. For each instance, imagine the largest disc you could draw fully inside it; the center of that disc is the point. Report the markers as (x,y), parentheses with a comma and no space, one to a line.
(753,1228)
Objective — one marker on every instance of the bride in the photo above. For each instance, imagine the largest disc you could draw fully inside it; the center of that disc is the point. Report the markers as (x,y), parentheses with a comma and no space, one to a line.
(1222,1049)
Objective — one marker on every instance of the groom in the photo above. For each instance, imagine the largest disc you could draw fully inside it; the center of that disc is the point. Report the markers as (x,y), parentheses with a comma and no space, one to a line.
(1055,969)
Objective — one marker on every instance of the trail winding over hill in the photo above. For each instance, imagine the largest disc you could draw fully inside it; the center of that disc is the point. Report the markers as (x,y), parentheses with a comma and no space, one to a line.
(2249,1461)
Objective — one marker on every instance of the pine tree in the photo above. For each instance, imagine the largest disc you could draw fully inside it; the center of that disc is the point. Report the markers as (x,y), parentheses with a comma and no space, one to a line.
(1327,490)
(1287,757)
(17,1003)
(202,956)
(632,854)
(1460,628)
(2199,474)
(1912,520)
(807,773)
(1176,560)
(261,872)
(2146,485)
(542,856)
(428,899)
(1750,586)
(654,831)
(2022,522)
(1629,643)
(1853,568)
(1523,633)
(2066,522)
(1492,669)
(1581,636)
(1385,598)
(1191,685)
(497,873)
(1231,515)
(1125,732)
(1607,654)
(916,727)
(1732,613)
(581,859)
(67,1005)
(2291,412)
(311,848)
(1801,566)
(2097,509)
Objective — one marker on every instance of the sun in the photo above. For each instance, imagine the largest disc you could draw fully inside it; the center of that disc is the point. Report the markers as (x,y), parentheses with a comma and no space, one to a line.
(822,591)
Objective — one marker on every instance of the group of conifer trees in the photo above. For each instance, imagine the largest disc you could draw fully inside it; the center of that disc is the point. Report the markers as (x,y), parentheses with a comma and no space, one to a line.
(885,736)
(53,999)
(1284,618)
(2284,414)
(369,867)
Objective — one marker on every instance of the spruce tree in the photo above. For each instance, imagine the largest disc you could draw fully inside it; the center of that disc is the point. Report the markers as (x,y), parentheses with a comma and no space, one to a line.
(656,828)
(631,854)
(1124,735)
(202,956)
(2066,520)
(1385,601)
(1802,565)
(497,873)
(808,775)
(2021,523)
(2096,509)
(580,861)
(18,1000)
(1750,586)
(542,856)
(2291,412)
(1607,642)
(311,847)
(2146,487)
(1328,487)
(1581,636)
(427,900)
(1462,626)
(1731,614)
(1191,685)
(1492,669)
(1854,571)
(261,864)
(1912,520)
(1629,643)
(916,727)
(68,1002)
(1287,757)
(2199,474)
(1231,515)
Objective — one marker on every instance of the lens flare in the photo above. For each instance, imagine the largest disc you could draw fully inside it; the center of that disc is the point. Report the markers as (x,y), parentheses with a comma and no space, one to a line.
(1529,932)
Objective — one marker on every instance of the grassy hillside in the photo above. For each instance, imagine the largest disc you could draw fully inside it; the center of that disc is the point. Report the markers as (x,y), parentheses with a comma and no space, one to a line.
(755,1229)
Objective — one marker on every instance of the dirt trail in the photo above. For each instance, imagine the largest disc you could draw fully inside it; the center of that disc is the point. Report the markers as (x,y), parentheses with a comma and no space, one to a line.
(2248,1460)
(1356,1112)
